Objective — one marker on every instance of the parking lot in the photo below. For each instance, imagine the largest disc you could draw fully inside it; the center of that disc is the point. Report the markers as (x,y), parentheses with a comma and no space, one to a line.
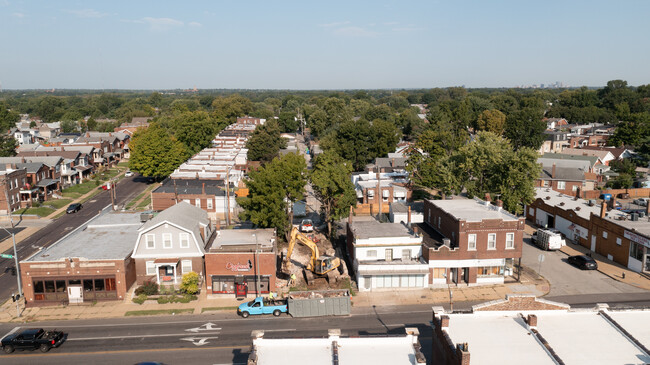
(567,280)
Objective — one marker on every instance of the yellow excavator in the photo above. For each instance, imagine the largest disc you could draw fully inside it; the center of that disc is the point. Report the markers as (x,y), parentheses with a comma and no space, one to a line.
(322,266)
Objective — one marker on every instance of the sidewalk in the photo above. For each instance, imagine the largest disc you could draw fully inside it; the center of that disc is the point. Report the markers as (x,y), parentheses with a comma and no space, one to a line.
(609,268)
(114,309)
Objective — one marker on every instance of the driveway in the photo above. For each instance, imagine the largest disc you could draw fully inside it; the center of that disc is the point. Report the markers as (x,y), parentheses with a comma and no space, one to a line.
(567,280)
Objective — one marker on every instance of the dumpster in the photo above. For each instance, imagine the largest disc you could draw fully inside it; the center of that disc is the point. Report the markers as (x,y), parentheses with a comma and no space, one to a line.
(319,303)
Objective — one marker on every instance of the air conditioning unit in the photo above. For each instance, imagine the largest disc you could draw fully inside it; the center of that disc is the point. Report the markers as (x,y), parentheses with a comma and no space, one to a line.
(145,216)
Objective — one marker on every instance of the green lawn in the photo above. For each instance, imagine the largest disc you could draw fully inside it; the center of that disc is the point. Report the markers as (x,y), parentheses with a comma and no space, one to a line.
(155,312)
(145,202)
(39,211)
(79,189)
(57,203)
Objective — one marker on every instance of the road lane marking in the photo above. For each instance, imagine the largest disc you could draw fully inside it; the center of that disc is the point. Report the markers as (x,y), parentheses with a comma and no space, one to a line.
(134,336)
(11,332)
(205,327)
(157,323)
(50,354)
(201,340)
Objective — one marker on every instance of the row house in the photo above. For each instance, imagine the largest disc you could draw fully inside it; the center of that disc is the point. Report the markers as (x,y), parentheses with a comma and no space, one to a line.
(470,241)
(566,175)
(131,127)
(603,154)
(248,120)
(209,195)
(377,190)
(12,178)
(555,142)
(76,166)
(622,237)
(43,174)
(386,256)
(388,164)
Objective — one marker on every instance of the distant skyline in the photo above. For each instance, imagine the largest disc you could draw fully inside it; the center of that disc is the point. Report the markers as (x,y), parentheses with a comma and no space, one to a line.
(156,45)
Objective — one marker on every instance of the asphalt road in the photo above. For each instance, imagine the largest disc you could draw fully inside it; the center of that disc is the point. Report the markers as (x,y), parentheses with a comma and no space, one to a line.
(127,188)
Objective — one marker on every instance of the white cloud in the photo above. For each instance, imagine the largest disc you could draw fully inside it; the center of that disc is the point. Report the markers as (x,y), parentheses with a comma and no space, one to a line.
(354,32)
(87,13)
(161,24)
(332,25)
(18,15)
(391,23)
(194,24)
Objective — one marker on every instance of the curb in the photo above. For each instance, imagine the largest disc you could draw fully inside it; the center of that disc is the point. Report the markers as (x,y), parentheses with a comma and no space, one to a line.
(612,276)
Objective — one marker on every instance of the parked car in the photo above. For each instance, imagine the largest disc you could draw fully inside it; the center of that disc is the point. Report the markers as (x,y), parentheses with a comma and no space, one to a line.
(306,225)
(583,262)
(128,173)
(73,208)
(606,197)
(624,196)
(32,339)
(641,201)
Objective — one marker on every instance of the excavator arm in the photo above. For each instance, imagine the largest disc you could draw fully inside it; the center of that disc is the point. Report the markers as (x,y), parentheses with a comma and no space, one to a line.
(296,236)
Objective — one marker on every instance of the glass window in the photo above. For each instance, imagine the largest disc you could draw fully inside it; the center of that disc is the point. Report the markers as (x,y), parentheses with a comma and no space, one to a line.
(492,241)
(604,234)
(471,242)
(185,240)
(150,240)
(88,285)
(60,286)
(49,286)
(151,268)
(395,281)
(636,251)
(74,282)
(209,201)
(197,202)
(167,240)
(406,254)
(419,281)
(39,287)
(389,254)
(186,266)
(439,273)
(371,253)
(99,285)
(379,281)
(619,241)
(561,185)
(510,240)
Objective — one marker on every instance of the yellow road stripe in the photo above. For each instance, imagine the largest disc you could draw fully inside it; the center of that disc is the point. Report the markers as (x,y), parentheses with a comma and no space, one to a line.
(50,354)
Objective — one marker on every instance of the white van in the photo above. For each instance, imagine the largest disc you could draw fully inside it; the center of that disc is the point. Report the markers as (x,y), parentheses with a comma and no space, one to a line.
(548,239)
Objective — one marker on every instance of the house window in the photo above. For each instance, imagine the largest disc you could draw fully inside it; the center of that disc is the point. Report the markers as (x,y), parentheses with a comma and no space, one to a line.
(561,185)
(471,242)
(371,253)
(636,251)
(406,254)
(574,188)
(619,241)
(197,202)
(604,234)
(209,202)
(438,222)
(545,183)
(510,240)
(186,266)
(151,268)
(167,240)
(185,240)
(492,241)
(486,271)
(151,240)
(389,254)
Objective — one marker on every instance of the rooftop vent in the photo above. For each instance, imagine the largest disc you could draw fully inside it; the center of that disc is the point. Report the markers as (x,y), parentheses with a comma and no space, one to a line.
(548,198)
(592,202)
(561,204)
(577,208)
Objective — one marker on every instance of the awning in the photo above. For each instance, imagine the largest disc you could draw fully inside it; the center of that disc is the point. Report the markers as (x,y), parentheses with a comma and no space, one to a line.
(46,182)
(414,271)
(166,261)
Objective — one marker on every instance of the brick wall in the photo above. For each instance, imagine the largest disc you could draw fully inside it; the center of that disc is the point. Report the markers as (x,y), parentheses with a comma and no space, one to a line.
(608,246)
(634,193)
(218,264)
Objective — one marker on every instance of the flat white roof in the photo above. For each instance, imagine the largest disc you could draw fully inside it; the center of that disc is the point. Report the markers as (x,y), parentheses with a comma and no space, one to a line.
(472,210)
(637,323)
(394,350)
(554,198)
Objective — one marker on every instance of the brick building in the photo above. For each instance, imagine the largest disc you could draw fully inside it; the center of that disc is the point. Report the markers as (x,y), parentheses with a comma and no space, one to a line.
(237,258)
(377,190)
(91,264)
(209,195)
(471,241)
(12,180)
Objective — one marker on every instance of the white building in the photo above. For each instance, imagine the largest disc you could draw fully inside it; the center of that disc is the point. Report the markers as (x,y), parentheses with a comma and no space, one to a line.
(386,256)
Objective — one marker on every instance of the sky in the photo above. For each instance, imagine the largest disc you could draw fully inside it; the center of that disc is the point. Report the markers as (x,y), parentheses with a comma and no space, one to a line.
(277,44)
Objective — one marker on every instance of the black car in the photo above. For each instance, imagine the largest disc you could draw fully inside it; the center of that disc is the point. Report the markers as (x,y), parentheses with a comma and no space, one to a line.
(73,208)
(32,339)
(583,262)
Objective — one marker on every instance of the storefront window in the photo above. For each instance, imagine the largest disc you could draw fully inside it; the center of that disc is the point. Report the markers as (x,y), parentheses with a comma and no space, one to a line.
(484,271)
(49,286)
(99,284)
(110,284)
(38,287)
(636,251)
(88,285)
(60,286)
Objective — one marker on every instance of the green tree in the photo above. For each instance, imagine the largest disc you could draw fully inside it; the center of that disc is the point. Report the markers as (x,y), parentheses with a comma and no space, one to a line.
(91,123)
(330,179)
(265,142)
(190,283)
(8,145)
(492,121)
(155,153)
(287,121)
(352,141)
(230,107)
(271,191)
(525,128)
(69,126)
(8,118)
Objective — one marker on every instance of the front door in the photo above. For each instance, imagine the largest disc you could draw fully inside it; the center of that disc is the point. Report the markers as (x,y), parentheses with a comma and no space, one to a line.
(466,275)
(454,275)
(241,289)
(75,294)
(593,243)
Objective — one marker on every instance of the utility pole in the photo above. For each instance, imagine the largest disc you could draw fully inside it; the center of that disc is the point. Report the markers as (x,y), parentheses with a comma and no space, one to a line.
(13,237)
(228,196)
(257,265)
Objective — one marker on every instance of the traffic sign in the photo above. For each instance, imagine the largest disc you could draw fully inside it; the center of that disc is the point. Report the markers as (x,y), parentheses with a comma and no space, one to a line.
(6,256)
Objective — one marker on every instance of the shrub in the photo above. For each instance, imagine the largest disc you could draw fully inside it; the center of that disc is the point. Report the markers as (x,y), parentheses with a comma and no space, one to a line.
(163,300)
(187,298)
(148,288)
(190,283)
(140,298)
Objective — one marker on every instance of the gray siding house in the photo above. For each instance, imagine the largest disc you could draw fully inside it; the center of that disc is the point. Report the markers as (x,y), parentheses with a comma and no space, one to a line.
(172,244)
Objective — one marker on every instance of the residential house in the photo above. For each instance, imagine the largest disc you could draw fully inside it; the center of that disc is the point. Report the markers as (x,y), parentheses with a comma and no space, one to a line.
(566,175)
(556,123)
(132,126)
(12,179)
(209,195)
(619,153)
(242,262)
(470,241)
(377,190)
(22,136)
(92,263)
(604,155)
(75,166)
(386,256)
(172,243)
(388,164)
(42,179)
(554,142)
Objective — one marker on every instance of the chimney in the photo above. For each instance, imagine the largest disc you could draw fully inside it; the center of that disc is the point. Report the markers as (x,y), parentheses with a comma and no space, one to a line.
(499,203)
(392,162)
(553,172)
(532,320)
(462,350)
(603,210)
(203,189)
(487,197)
(350,216)
(613,201)
(444,322)
(408,216)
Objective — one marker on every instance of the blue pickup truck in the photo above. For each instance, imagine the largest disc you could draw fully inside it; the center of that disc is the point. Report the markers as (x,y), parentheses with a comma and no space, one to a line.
(263,305)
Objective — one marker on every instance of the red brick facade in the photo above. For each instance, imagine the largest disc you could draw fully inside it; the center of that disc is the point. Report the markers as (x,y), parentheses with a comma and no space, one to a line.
(224,267)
